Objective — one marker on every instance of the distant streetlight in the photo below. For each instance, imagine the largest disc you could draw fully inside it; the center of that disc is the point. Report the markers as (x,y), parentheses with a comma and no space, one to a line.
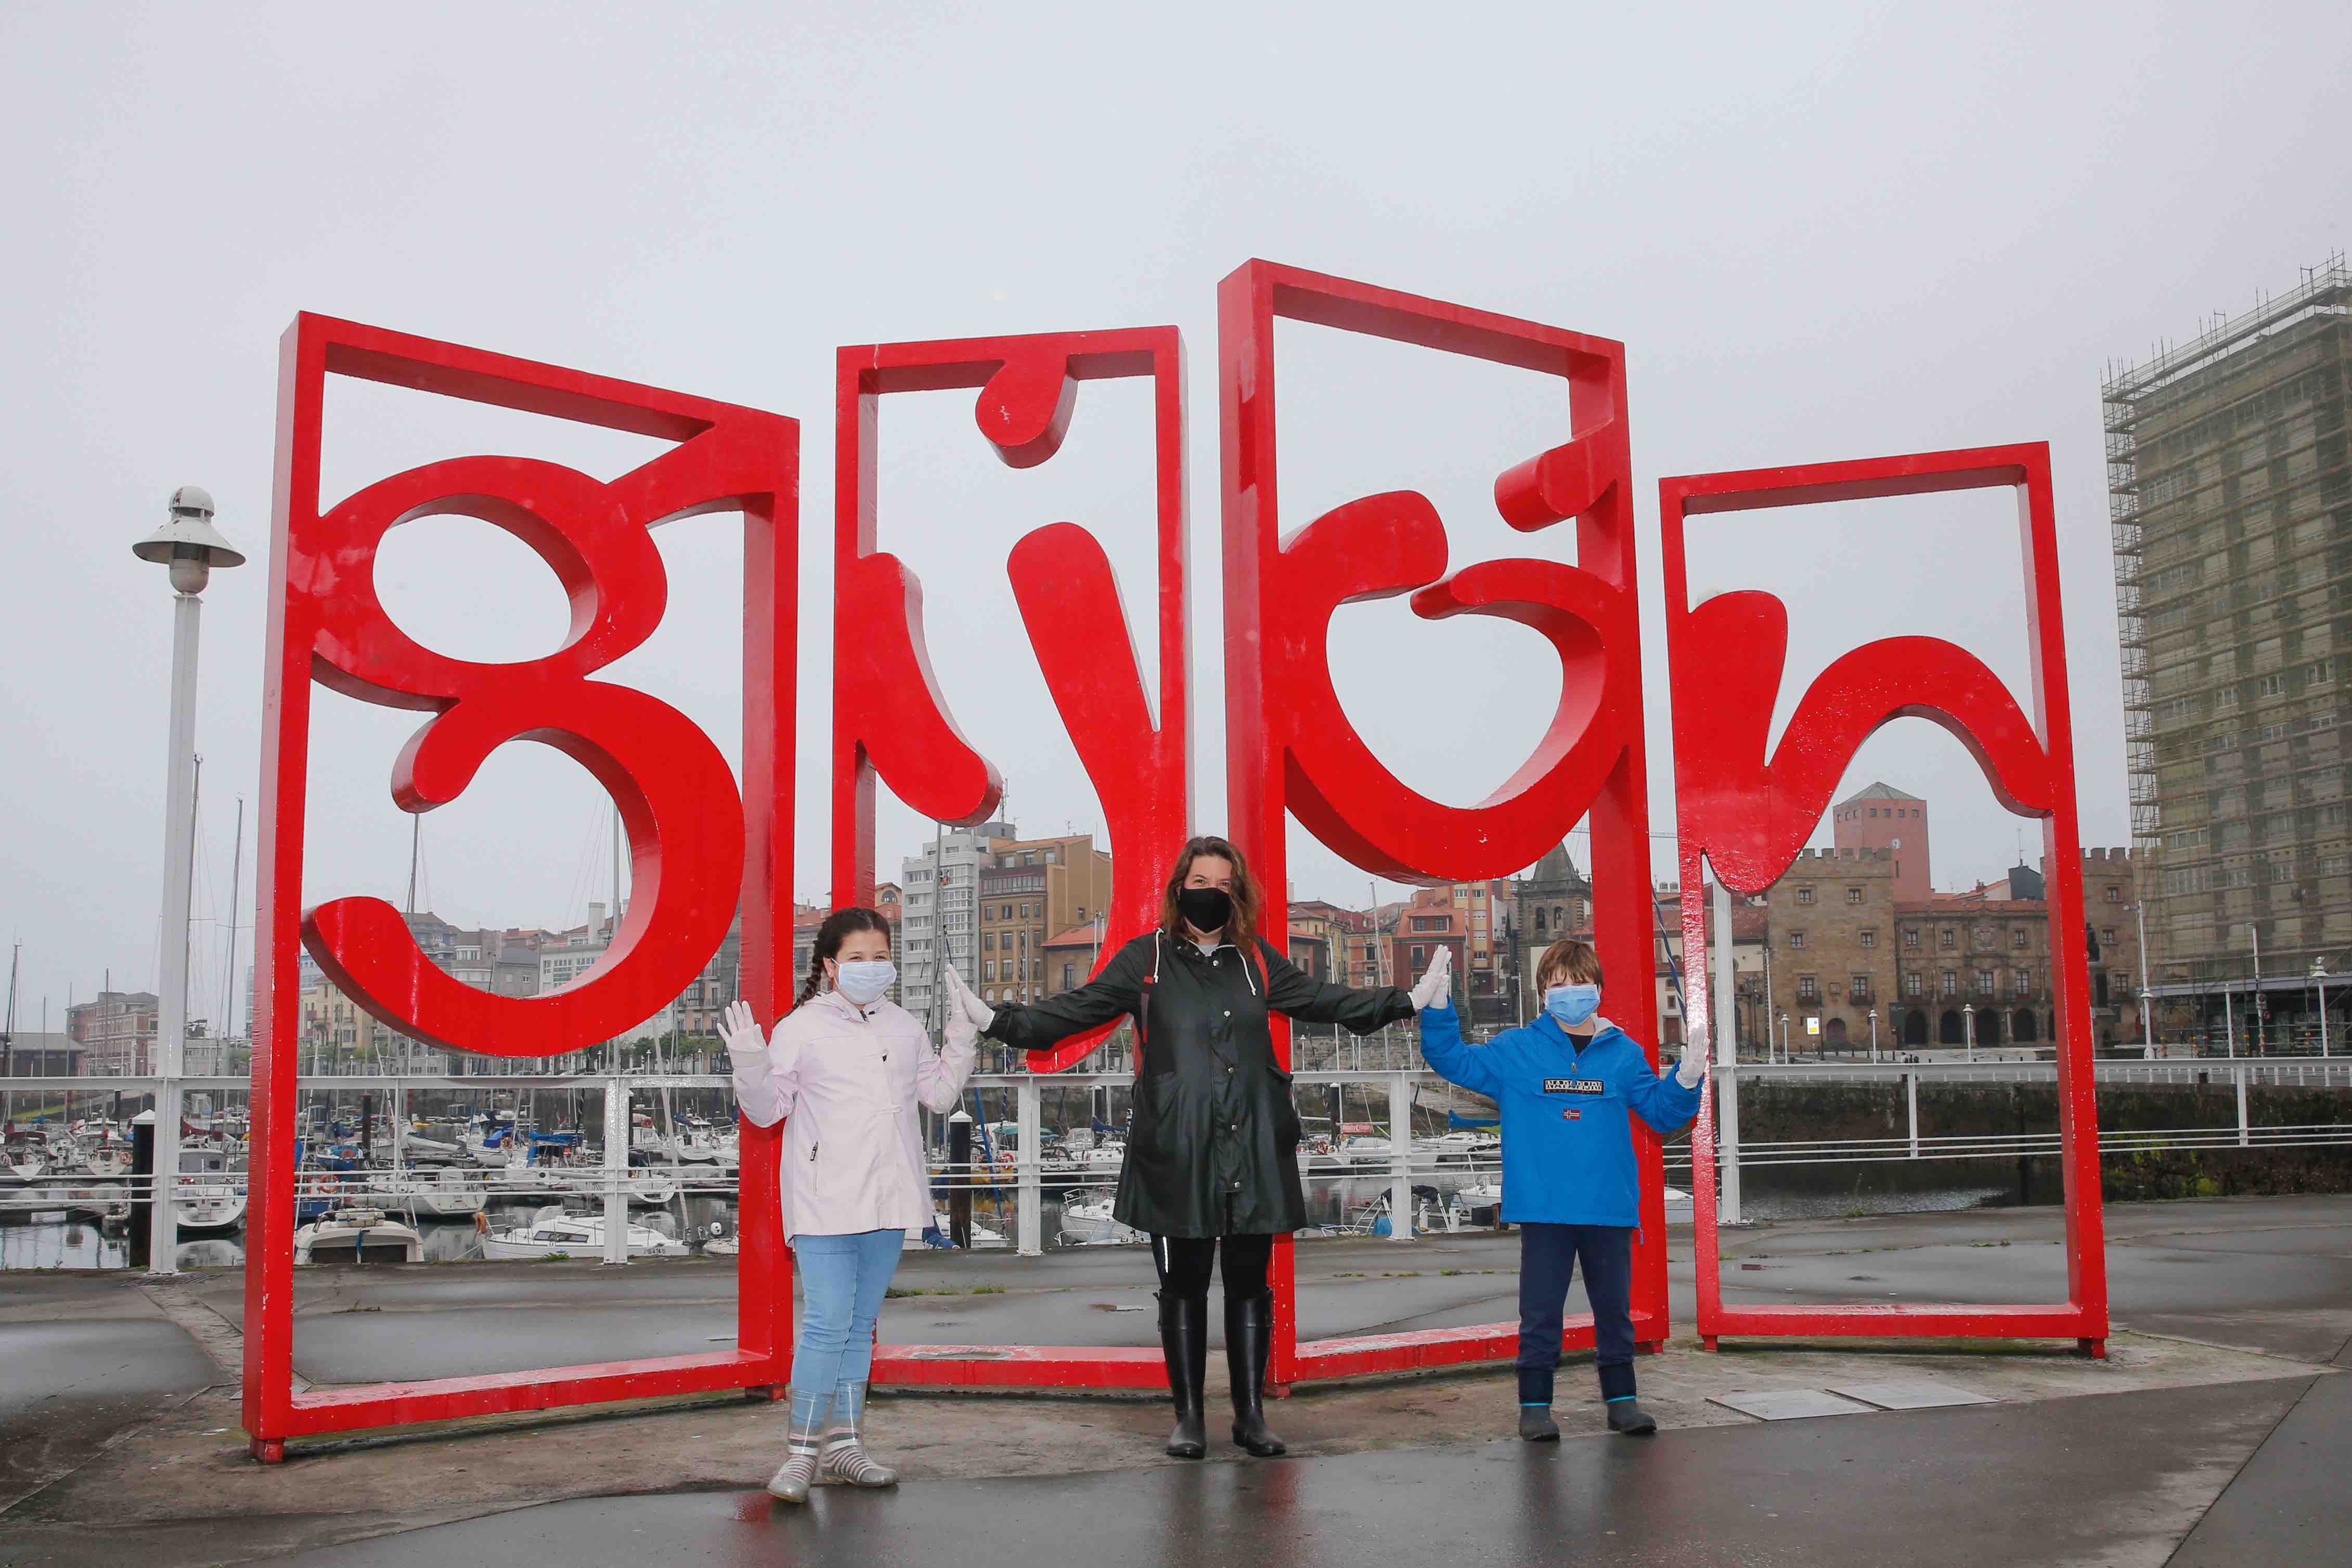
(2147,1010)
(1785,1054)
(191,547)
(1969,1027)
(2319,979)
(1874,1034)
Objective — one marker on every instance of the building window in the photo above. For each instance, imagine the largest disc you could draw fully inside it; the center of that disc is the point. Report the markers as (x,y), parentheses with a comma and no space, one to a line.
(2108,935)
(2017,940)
(987,970)
(1951,986)
(1858,988)
(1911,937)
(1069,976)
(1796,938)
(1911,985)
(2114,895)
(1854,895)
(1804,895)
(2324,669)
(1984,982)
(1947,939)
(1809,988)
(1870,938)
(1420,956)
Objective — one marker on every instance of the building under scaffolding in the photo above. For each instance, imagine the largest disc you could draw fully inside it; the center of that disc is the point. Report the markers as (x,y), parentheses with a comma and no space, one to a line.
(2230,509)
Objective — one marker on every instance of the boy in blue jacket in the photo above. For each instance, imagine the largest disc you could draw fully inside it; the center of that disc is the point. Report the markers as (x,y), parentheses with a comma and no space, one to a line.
(1565,1085)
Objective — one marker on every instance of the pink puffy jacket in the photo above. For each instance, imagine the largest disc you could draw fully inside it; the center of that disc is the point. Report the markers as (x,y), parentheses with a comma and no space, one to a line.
(849,1078)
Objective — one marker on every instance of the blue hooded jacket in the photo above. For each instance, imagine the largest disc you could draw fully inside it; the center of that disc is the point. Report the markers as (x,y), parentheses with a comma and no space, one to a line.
(1568,1148)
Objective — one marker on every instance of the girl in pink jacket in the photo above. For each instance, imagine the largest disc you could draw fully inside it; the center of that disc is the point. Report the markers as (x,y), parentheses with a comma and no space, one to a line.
(848,1066)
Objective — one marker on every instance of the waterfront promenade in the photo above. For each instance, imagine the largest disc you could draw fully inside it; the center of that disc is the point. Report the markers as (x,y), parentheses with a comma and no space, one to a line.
(2211,1435)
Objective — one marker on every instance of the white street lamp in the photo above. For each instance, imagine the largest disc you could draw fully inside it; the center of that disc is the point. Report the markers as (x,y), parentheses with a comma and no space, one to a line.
(191,547)
(1969,1027)
(2146,1014)
(1785,1055)
(1874,1034)
(2319,979)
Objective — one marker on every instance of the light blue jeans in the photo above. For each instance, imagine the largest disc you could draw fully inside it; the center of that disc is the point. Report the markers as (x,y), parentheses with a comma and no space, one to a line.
(843,1278)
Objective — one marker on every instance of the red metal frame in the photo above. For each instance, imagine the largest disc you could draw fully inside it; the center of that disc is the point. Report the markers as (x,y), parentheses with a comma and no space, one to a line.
(1291,750)
(890,721)
(1748,817)
(696,851)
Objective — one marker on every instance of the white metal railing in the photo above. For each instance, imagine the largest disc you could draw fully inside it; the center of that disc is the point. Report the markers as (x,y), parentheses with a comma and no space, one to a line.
(612,1178)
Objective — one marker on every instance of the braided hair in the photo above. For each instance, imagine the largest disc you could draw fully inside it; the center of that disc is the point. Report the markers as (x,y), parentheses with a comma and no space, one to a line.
(838,927)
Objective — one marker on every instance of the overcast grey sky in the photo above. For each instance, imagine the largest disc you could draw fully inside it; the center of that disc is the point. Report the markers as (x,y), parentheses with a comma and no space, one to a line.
(1821,230)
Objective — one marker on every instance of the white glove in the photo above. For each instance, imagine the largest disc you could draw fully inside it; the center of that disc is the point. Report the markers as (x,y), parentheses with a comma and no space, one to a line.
(965,1004)
(963,1034)
(1436,985)
(739,1028)
(1692,1071)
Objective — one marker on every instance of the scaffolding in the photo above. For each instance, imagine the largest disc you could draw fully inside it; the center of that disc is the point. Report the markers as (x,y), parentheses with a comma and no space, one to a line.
(2229,519)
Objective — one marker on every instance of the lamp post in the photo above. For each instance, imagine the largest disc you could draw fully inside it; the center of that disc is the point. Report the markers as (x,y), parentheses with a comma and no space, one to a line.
(2319,979)
(1785,1055)
(1969,1028)
(2146,1011)
(1874,1034)
(191,547)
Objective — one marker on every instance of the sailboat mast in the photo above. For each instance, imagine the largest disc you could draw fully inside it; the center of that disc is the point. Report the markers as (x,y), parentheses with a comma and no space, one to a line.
(228,980)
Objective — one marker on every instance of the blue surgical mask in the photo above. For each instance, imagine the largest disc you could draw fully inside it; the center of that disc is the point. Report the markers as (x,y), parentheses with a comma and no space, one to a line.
(1571,1005)
(864,982)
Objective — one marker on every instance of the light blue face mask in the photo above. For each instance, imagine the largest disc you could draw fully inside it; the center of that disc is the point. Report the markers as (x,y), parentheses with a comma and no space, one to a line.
(1571,1005)
(864,983)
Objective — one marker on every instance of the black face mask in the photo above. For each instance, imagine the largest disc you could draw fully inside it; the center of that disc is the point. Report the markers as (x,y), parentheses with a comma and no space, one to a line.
(1205,908)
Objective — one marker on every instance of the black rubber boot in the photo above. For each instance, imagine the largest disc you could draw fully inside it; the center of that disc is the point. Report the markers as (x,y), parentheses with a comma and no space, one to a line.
(1625,1414)
(1249,1341)
(1185,1341)
(1536,1424)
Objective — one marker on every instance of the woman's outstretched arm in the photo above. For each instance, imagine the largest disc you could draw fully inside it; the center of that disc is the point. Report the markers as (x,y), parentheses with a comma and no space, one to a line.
(1039,1026)
(1293,993)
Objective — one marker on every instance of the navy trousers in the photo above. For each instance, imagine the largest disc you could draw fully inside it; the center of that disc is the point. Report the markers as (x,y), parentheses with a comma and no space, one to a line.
(1548,1257)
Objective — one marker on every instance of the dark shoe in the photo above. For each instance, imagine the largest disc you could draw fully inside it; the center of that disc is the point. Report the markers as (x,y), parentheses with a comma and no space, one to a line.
(1184,1343)
(1629,1417)
(1536,1424)
(1249,1341)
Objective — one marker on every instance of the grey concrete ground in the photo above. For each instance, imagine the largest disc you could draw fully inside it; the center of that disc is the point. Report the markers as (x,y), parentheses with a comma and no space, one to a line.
(2215,1421)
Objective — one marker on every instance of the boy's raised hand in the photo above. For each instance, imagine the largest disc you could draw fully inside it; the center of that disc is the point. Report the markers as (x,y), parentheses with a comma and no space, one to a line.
(1692,1069)
(1436,985)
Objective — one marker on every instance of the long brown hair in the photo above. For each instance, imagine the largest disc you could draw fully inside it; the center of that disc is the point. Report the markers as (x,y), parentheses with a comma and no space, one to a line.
(1241,928)
(838,927)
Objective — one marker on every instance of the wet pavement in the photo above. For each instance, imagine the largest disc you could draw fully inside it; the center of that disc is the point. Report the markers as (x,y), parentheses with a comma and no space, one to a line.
(1977,1487)
(2271,1275)
(2218,1419)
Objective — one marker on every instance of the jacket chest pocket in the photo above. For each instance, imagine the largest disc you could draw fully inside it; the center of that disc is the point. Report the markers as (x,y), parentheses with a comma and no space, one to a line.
(1570,1096)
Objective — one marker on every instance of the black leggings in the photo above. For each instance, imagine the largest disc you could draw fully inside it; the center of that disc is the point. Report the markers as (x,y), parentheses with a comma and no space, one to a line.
(1183,1262)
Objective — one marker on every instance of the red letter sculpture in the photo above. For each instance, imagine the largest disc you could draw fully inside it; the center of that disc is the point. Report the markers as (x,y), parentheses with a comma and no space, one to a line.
(890,720)
(1291,750)
(1749,815)
(686,826)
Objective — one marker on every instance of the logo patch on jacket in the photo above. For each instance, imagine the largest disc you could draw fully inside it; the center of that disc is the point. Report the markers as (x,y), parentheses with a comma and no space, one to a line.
(1575,1086)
